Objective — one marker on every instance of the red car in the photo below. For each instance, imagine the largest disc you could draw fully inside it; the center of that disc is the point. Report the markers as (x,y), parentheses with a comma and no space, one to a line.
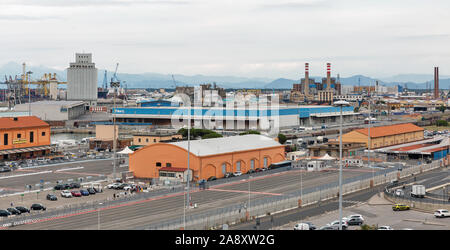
(258,170)
(76,193)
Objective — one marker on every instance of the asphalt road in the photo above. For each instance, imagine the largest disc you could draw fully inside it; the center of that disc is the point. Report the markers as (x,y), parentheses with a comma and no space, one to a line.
(139,213)
(428,179)
(15,181)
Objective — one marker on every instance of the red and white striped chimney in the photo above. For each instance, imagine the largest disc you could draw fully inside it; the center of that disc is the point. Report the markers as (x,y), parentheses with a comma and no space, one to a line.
(328,75)
(306,88)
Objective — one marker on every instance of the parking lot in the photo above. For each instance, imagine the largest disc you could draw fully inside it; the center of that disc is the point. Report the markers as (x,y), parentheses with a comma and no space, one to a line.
(379,212)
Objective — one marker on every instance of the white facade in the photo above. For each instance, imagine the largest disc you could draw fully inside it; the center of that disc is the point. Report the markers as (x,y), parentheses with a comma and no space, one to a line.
(82,79)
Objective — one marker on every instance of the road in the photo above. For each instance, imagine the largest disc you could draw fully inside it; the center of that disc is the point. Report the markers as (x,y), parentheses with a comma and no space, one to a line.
(317,212)
(143,212)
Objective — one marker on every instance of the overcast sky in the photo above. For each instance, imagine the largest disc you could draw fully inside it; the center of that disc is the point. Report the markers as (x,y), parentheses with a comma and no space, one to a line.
(251,38)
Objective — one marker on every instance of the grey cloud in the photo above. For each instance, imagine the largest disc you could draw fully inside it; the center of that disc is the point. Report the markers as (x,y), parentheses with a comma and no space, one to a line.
(28,18)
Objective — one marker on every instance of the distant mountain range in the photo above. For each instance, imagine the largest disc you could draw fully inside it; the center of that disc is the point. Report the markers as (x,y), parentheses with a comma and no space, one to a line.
(156,80)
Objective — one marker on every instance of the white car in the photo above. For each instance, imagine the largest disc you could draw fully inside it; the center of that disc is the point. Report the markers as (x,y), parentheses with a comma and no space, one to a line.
(385,228)
(301,226)
(336,223)
(66,194)
(113,185)
(441,213)
(237,173)
(356,216)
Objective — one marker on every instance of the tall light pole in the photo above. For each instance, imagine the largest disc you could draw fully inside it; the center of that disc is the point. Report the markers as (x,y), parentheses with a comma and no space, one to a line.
(186,203)
(114,85)
(340,104)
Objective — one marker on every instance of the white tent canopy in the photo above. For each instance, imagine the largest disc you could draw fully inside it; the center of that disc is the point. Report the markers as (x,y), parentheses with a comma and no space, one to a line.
(327,157)
(126,151)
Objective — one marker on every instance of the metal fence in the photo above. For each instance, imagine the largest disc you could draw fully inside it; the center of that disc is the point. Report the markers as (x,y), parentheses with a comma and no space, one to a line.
(213,219)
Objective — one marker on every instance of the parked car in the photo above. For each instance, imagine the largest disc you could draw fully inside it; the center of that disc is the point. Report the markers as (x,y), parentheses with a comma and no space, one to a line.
(66,194)
(4,213)
(400,207)
(355,216)
(212,178)
(5,169)
(91,191)
(76,193)
(84,192)
(13,211)
(265,169)
(74,185)
(52,197)
(23,209)
(228,175)
(356,221)
(258,170)
(250,171)
(98,189)
(122,186)
(37,206)
(113,185)
(440,213)
(305,226)
(237,173)
(336,222)
(385,228)
(301,226)
(399,192)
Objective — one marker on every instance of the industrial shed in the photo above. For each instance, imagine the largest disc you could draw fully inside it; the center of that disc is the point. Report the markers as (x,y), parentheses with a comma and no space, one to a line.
(209,157)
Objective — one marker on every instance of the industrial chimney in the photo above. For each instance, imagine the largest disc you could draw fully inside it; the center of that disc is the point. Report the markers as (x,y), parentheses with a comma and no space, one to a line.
(328,76)
(436,82)
(306,88)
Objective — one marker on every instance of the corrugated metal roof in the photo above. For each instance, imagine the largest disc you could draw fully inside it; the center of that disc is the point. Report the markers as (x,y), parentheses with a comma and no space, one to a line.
(390,130)
(227,144)
(21,122)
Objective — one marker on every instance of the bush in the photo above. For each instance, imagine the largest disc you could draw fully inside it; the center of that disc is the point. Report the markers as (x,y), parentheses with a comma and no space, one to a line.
(442,123)
(250,132)
(368,227)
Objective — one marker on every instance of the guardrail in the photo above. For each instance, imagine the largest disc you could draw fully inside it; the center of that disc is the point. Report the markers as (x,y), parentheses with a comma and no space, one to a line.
(236,213)
(215,218)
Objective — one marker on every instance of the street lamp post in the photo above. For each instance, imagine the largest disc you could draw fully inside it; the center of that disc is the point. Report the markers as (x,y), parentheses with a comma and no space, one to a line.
(340,104)
(114,85)
(186,203)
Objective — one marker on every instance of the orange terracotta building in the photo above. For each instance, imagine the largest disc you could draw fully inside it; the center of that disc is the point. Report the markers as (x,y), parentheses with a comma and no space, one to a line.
(23,137)
(209,157)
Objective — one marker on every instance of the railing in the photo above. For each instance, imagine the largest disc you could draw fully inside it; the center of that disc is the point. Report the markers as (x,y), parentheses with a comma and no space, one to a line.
(215,218)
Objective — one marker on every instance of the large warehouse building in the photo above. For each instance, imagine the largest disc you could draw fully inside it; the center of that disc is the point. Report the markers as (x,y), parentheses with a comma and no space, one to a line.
(54,110)
(209,157)
(385,136)
(236,119)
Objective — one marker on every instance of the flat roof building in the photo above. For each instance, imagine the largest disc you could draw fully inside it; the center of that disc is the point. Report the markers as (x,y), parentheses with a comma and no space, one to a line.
(54,110)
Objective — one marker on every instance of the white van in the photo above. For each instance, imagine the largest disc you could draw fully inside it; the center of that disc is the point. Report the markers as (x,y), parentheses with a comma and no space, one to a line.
(301,226)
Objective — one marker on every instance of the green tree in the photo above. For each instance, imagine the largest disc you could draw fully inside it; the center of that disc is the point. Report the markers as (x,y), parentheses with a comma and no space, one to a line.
(282,138)
(442,108)
(441,123)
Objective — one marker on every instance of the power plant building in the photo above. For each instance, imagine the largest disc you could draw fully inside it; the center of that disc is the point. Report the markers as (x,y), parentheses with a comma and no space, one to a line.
(82,80)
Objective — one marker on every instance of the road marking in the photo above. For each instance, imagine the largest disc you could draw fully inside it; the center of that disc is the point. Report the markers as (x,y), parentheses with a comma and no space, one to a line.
(242,191)
(21,175)
(78,173)
(65,169)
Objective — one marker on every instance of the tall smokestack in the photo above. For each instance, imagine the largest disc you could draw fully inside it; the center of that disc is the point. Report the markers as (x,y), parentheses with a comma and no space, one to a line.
(436,82)
(328,76)
(306,89)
